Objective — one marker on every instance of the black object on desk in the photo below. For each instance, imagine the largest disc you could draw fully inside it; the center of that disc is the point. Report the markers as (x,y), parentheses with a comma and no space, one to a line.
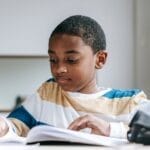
(139,128)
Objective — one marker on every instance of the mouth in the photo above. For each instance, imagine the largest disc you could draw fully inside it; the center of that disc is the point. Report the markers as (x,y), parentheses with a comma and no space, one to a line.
(62,80)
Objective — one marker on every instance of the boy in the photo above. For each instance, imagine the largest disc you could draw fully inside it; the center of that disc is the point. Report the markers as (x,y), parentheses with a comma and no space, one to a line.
(72,99)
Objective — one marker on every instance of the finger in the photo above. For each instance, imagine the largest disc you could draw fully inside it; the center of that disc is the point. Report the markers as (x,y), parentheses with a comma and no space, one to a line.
(94,128)
(99,127)
(79,123)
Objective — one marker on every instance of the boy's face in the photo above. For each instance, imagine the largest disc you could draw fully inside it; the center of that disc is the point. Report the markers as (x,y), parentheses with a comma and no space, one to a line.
(72,63)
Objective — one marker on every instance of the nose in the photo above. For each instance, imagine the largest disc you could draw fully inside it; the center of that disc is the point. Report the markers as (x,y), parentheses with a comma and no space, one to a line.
(61,69)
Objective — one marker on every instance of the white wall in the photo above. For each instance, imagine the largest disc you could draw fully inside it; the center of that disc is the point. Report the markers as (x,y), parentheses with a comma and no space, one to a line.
(21,76)
(26,25)
(143,45)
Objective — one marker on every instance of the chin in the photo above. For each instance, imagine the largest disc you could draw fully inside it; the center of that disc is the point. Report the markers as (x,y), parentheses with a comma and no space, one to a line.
(68,89)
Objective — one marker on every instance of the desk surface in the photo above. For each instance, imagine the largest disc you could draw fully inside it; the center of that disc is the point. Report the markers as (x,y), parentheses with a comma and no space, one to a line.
(74,147)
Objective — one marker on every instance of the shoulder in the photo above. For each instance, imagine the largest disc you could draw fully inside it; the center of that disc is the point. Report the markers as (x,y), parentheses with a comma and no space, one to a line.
(120,93)
(48,84)
(124,101)
(49,89)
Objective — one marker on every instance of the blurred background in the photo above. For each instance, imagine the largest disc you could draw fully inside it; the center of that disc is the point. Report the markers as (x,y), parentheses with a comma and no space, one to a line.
(25,26)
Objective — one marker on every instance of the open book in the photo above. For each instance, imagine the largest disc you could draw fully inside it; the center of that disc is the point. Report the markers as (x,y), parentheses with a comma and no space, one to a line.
(45,134)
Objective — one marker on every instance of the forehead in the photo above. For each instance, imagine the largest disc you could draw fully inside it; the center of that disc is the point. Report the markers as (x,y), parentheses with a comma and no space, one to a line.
(64,42)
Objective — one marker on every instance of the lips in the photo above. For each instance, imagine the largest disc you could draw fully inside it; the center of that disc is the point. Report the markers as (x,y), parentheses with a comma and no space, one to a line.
(62,80)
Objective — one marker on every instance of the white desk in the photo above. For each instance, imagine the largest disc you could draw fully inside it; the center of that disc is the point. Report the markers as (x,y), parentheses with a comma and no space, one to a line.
(74,147)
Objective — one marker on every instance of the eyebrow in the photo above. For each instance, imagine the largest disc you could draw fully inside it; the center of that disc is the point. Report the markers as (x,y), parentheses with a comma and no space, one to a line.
(67,52)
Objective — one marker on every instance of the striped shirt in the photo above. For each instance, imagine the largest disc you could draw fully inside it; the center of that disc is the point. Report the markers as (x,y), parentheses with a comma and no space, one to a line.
(50,104)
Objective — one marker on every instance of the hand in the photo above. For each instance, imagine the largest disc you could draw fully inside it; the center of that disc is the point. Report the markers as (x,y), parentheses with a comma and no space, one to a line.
(3,127)
(97,125)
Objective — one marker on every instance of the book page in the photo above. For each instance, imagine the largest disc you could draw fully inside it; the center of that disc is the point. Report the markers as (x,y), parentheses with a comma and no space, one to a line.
(49,133)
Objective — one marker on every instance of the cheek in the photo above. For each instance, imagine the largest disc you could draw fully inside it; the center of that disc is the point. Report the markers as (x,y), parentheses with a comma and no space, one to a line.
(79,74)
(88,68)
(75,72)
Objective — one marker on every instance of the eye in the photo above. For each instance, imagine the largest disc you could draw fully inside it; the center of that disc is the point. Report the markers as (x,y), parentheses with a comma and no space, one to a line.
(53,60)
(72,60)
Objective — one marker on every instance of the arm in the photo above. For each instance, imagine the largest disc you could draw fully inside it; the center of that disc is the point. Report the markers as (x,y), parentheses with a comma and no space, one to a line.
(6,127)
(25,116)
(13,124)
(112,129)
(3,127)
(99,126)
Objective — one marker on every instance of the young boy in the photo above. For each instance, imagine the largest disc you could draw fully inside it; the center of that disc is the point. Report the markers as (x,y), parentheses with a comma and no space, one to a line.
(72,99)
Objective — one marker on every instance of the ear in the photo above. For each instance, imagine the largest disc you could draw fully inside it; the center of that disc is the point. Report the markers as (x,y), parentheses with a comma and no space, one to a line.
(101,57)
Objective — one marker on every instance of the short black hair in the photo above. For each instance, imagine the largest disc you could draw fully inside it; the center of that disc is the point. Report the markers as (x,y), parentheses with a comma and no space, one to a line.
(85,27)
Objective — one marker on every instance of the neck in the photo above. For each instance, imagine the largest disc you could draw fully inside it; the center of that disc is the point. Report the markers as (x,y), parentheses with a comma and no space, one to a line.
(89,88)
